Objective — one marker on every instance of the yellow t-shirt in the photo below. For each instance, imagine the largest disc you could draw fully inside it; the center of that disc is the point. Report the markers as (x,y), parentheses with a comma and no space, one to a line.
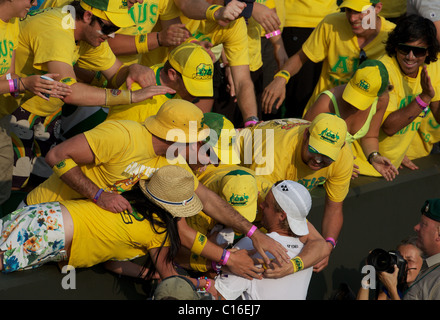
(306,13)
(43,38)
(273,150)
(233,37)
(427,134)
(123,154)
(141,110)
(100,235)
(405,89)
(334,43)
(8,43)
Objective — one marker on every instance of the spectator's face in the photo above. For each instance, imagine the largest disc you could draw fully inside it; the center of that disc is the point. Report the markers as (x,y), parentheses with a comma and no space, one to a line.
(21,7)
(360,22)
(428,235)
(411,55)
(269,214)
(313,160)
(414,261)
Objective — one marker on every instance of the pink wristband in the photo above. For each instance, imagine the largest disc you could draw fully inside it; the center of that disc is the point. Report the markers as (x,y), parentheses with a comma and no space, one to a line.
(331,240)
(251,231)
(272,34)
(225,260)
(251,122)
(11,86)
(421,103)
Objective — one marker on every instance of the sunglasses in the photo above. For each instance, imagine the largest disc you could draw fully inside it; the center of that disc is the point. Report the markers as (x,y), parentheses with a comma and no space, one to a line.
(405,49)
(106,29)
(318,157)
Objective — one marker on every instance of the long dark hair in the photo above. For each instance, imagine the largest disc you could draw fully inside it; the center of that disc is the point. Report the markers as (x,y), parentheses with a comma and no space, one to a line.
(412,28)
(159,218)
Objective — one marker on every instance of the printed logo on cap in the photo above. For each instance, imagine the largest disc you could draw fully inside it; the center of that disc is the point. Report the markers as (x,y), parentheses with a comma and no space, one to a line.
(238,200)
(203,72)
(363,85)
(329,136)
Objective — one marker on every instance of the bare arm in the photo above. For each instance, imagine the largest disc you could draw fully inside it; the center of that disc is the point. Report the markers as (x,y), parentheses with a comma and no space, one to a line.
(244,90)
(78,149)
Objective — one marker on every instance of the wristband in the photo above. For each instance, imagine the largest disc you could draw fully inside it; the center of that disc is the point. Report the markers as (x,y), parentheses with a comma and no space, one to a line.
(331,240)
(423,105)
(224,258)
(217,268)
(283,74)
(63,166)
(297,263)
(141,42)
(199,243)
(96,197)
(210,12)
(250,123)
(11,85)
(370,157)
(272,34)
(251,231)
(115,97)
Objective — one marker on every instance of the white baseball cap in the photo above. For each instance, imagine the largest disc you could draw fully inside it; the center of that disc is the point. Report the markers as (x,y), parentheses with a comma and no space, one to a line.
(295,200)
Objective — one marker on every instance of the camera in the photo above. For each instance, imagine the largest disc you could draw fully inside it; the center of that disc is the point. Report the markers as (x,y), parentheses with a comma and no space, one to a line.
(383,260)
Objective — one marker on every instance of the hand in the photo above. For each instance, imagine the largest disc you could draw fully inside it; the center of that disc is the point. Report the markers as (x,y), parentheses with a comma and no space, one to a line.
(229,13)
(207,46)
(263,243)
(113,202)
(230,87)
(274,94)
(274,270)
(321,265)
(173,35)
(384,166)
(408,163)
(356,171)
(266,17)
(240,263)
(38,86)
(425,81)
(141,74)
(389,280)
(149,92)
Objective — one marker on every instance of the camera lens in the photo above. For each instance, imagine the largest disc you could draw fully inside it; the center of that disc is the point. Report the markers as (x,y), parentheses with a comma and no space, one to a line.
(380,260)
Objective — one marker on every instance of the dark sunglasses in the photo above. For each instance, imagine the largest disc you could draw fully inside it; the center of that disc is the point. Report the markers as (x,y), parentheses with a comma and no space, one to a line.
(107,29)
(362,56)
(406,49)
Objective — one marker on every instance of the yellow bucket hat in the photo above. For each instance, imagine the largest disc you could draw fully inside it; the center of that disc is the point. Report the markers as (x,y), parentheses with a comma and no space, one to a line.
(178,121)
(196,67)
(369,82)
(327,134)
(115,11)
(239,189)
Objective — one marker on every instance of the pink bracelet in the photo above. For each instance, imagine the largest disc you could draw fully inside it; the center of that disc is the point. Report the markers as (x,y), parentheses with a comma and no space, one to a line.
(250,122)
(251,231)
(332,241)
(272,34)
(421,103)
(226,258)
(11,86)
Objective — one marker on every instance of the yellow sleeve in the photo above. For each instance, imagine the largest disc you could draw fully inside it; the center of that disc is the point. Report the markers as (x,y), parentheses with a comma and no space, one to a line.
(316,46)
(236,43)
(338,184)
(98,59)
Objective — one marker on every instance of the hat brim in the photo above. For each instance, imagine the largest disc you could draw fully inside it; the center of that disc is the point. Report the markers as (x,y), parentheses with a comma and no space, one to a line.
(332,153)
(189,209)
(298,227)
(357,98)
(199,88)
(161,130)
(121,20)
(354,5)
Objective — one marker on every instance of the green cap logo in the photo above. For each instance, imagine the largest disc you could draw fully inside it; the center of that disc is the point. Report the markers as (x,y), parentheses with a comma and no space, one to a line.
(363,85)
(329,136)
(238,200)
(203,72)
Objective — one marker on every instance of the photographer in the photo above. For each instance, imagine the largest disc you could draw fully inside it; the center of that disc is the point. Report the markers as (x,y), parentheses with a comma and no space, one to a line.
(391,288)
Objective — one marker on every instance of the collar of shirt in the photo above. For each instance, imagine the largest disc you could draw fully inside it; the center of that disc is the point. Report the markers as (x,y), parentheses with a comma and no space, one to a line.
(433,260)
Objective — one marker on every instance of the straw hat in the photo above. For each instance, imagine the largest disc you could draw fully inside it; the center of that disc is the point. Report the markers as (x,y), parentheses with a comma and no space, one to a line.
(172,188)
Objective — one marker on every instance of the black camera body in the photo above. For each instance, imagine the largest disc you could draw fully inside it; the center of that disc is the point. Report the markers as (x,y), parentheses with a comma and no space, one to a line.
(383,260)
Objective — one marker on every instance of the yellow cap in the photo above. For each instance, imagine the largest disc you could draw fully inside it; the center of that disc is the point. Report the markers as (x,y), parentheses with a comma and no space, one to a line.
(178,121)
(239,189)
(115,11)
(327,134)
(358,5)
(369,82)
(196,67)
(222,137)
